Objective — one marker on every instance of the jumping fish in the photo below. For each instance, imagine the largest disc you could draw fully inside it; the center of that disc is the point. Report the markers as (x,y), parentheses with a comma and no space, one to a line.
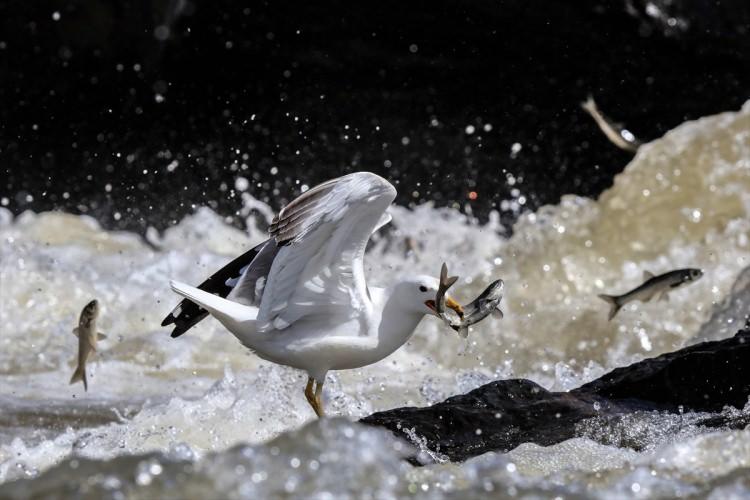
(654,287)
(87,339)
(486,303)
(619,136)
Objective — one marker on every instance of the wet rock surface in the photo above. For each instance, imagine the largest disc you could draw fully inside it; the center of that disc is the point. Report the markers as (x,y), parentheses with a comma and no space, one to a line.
(501,415)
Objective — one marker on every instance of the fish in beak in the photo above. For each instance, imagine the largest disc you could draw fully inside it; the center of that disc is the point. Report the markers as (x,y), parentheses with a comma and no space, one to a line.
(488,302)
(450,302)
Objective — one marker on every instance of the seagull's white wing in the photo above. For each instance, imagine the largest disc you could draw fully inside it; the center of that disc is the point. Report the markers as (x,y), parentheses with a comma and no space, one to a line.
(323,234)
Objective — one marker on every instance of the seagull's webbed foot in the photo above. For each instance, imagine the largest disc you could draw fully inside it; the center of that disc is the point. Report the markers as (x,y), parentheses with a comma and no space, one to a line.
(314,397)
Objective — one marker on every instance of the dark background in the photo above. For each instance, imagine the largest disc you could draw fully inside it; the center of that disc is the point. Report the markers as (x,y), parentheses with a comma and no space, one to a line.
(99,97)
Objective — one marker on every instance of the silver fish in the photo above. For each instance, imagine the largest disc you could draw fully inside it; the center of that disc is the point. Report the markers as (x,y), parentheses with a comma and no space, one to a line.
(654,287)
(486,303)
(440,297)
(87,339)
(619,136)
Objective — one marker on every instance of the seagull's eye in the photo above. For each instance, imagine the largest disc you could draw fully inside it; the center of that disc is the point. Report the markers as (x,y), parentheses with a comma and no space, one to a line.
(422,288)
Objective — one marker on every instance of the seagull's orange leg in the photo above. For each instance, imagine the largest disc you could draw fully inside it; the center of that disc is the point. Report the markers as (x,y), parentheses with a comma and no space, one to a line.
(309,394)
(313,397)
(318,403)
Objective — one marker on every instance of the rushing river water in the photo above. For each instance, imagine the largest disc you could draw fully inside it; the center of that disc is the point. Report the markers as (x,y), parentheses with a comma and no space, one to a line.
(201,417)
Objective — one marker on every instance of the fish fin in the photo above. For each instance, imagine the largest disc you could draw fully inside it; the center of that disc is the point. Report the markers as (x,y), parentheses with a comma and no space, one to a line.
(80,376)
(647,275)
(463,332)
(498,312)
(614,305)
(664,297)
(100,336)
(654,297)
(75,331)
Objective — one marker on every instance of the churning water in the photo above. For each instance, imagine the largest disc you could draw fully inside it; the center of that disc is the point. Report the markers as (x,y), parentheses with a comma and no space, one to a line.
(201,417)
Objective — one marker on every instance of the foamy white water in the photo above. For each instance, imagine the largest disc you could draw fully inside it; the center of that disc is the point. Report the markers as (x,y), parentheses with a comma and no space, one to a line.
(684,201)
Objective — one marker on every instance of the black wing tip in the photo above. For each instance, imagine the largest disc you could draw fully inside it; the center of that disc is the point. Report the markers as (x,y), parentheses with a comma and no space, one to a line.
(186,321)
(177,332)
(179,329)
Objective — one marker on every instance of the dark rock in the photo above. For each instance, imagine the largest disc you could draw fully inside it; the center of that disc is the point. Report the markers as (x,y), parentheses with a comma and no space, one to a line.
(702,377)
(497,416)
(504,414)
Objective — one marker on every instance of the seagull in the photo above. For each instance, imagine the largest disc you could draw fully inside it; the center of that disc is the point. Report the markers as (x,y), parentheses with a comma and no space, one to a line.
(300,298)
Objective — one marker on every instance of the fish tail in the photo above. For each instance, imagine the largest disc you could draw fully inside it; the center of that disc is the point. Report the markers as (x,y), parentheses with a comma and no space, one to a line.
(614,304)
(589,104)
(80,376)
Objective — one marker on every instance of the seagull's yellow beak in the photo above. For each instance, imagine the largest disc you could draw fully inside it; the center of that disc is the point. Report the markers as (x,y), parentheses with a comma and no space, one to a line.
(449,302)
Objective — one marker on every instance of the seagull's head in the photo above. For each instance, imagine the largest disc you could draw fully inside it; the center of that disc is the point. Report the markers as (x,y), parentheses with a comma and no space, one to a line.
(418,295)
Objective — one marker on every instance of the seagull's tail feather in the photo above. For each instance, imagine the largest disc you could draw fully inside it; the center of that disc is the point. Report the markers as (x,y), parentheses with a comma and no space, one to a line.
(187,313)
(222,309)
